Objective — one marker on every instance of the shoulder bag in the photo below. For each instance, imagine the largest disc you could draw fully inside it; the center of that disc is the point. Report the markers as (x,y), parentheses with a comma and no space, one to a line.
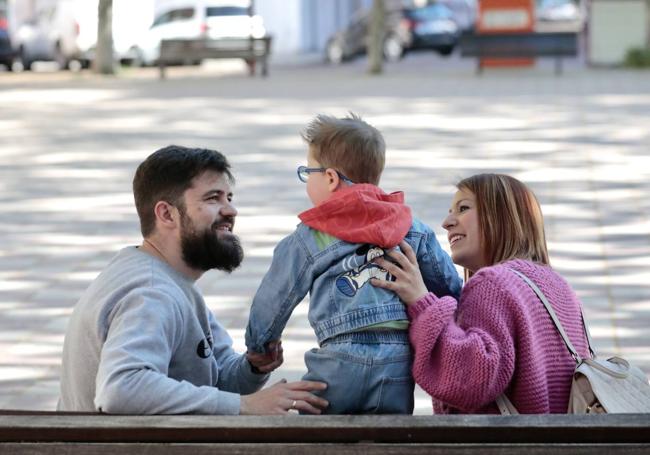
(599,386)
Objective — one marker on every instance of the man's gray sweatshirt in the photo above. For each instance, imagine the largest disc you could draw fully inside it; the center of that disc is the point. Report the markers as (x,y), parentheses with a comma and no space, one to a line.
(142,341)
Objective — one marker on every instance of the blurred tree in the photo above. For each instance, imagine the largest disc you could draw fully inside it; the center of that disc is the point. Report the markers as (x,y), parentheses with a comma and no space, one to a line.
(376,37)
(104,63)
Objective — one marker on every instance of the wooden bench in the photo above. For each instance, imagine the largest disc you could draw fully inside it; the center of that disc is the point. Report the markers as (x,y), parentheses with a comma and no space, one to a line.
(253,50)
(519,45)
(50,433)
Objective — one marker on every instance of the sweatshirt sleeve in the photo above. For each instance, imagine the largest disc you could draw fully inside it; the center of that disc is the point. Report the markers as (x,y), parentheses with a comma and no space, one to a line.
(283,287)
(464,360)
(235,372)
(132,376)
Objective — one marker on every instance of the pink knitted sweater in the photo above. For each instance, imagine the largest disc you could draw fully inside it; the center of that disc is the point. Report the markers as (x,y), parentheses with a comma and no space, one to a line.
(498,338)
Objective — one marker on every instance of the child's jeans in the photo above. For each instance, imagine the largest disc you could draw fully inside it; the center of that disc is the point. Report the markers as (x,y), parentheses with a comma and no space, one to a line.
(366,372)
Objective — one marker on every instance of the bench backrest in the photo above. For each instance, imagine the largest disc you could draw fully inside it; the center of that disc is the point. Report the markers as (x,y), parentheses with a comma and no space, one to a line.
(194,49)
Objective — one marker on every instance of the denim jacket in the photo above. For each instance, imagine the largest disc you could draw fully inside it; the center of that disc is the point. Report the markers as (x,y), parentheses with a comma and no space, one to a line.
(336,274)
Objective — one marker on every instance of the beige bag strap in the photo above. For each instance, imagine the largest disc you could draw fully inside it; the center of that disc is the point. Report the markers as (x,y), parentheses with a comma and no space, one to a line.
(588,335)
(556,321)
(505,405)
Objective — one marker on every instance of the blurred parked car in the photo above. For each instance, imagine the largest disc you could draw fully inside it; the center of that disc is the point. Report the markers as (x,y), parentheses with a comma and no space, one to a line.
(199,19)
(433,27)
(55,33)
(558,10)
(6,50)
(407,29)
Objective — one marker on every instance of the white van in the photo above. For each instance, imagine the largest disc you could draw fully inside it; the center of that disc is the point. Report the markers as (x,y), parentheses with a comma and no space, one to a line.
(211,19)
(51,30)
(66,30)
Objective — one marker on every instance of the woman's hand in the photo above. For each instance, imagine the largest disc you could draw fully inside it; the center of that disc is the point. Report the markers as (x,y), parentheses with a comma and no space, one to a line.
(408,284)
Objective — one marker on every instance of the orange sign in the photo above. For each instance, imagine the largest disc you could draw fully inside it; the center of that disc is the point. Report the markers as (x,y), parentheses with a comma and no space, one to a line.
(503,16)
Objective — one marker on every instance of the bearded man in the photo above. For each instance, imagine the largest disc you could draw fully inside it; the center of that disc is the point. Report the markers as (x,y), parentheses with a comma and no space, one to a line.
(141,339)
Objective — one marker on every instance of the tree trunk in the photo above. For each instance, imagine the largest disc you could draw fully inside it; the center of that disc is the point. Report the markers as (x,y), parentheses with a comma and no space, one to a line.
(376,37)
(104,63)
(647,18)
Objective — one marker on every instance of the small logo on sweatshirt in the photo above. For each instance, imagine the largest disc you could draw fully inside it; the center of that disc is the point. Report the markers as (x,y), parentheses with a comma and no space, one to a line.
(204,349)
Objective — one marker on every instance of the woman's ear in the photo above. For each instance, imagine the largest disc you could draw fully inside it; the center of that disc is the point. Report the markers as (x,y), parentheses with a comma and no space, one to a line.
(333,179)
(167,216)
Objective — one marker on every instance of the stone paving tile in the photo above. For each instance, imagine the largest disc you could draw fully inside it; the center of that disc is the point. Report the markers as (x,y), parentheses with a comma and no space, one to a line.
(70,146)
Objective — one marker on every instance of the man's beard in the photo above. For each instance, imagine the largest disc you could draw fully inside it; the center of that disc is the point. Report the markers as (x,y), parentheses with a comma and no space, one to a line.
(208,250)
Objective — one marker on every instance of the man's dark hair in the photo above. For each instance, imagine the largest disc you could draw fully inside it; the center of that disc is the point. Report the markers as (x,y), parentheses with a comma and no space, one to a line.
(166,174)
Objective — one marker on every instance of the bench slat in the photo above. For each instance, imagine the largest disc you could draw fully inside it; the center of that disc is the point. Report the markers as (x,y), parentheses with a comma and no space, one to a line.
(561,429)
(337,449)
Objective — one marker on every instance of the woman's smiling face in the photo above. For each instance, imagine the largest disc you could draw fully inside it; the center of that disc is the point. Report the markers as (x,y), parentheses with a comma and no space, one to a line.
(464,233)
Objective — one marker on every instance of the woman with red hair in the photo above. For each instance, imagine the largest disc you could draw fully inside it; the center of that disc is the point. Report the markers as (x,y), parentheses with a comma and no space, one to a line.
(498,339)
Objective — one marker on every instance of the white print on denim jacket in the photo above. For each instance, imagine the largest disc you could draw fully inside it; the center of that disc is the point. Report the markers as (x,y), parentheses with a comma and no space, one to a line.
(350,282)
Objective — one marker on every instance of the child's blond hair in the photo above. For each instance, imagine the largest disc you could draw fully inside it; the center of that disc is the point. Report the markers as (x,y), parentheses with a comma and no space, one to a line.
(348,145)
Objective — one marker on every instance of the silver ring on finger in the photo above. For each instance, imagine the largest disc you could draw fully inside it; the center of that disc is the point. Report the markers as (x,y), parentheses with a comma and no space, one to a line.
(293,405)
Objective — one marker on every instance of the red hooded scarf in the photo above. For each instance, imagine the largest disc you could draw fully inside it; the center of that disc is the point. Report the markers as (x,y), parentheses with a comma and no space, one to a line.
(362,213)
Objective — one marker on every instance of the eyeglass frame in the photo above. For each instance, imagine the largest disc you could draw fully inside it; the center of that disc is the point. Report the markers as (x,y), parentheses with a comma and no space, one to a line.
(310,170)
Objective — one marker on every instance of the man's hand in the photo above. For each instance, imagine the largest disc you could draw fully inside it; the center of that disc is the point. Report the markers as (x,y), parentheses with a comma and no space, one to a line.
(269,361)
(283,396)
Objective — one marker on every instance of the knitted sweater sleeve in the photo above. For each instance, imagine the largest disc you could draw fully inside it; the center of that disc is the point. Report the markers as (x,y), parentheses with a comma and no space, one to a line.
(464,360)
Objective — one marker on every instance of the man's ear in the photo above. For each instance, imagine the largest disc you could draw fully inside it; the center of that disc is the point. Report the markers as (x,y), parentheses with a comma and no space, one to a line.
(167,215)
(333,179)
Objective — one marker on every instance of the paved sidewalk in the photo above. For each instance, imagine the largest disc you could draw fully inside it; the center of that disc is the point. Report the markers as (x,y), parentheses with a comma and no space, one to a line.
(70,144)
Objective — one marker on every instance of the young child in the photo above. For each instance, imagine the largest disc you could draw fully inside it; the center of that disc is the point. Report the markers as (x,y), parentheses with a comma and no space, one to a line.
(362,330)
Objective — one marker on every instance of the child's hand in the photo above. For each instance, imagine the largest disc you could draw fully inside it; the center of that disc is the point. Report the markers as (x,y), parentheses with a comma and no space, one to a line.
(269,361)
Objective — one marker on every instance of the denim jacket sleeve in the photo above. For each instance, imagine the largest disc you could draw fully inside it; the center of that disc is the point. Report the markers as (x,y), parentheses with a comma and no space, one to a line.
(438,271)
(283,287)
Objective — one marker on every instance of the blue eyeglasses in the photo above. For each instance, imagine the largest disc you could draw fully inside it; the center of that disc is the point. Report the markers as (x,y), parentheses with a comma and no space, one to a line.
(304,171)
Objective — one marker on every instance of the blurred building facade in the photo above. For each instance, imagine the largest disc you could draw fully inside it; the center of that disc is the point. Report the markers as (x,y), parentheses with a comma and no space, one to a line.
(615,27)
(302,26)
